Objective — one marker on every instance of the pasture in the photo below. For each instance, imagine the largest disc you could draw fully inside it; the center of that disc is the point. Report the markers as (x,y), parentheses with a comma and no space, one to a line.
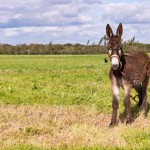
(63,102)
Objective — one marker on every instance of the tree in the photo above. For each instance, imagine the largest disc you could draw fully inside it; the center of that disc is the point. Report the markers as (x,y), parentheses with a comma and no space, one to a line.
(88,42)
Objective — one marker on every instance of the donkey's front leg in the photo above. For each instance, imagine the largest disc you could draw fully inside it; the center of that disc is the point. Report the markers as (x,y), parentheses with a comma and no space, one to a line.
(115,94)
(127,105)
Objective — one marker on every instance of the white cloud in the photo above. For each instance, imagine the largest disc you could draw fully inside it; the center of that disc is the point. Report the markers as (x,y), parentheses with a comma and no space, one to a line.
(39,13)
(10,33)
(73,21)
(135,18)
(127,13)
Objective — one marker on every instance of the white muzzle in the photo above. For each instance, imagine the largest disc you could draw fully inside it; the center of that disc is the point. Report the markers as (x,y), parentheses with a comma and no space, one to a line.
(115,61)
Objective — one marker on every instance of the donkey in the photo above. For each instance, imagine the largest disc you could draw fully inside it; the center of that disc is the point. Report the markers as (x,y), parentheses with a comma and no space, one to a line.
(127,71)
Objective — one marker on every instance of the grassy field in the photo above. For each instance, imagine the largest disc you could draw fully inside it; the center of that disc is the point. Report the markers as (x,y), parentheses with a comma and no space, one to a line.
(63,102)
(54,80)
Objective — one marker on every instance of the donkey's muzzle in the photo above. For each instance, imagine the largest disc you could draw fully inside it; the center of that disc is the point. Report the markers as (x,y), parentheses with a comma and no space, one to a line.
(114,61)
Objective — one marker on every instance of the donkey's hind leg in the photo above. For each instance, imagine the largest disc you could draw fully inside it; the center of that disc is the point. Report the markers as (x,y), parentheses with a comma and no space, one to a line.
(139,91)
(144,94)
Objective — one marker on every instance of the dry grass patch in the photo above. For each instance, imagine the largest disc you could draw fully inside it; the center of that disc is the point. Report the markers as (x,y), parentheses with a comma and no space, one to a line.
(65,126)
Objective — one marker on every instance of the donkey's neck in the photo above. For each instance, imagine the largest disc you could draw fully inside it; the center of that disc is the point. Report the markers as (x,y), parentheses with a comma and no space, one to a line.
(123,62)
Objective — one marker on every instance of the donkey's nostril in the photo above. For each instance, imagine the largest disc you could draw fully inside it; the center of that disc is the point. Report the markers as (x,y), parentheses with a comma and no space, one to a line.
(115,66)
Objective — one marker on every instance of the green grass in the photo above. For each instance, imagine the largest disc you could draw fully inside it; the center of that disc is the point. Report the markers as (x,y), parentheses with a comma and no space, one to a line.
(55,80)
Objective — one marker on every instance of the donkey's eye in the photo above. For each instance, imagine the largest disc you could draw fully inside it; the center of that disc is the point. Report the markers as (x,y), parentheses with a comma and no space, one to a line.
(120,52)
(109,51)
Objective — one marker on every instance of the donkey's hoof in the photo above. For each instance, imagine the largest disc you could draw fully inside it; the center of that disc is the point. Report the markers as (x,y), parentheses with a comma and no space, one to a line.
(128,122)
(111,125)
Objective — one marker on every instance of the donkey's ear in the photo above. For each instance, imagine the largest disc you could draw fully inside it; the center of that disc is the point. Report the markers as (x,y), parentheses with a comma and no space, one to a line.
(119,30)
(109,31)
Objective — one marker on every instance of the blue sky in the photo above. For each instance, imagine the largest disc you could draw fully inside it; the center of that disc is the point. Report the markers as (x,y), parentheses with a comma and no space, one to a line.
(72,21)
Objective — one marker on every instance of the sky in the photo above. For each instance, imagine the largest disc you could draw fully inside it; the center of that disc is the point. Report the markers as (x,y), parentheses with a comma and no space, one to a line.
(72,21)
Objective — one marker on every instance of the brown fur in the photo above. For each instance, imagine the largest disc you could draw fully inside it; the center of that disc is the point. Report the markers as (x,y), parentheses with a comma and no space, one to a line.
(136,67)
(133,72)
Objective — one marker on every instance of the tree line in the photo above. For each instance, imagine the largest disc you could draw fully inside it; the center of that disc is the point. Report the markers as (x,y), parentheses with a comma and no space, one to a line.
(68,48)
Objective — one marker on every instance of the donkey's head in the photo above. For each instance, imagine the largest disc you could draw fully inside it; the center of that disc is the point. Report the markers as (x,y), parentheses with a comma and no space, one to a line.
(114,46)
